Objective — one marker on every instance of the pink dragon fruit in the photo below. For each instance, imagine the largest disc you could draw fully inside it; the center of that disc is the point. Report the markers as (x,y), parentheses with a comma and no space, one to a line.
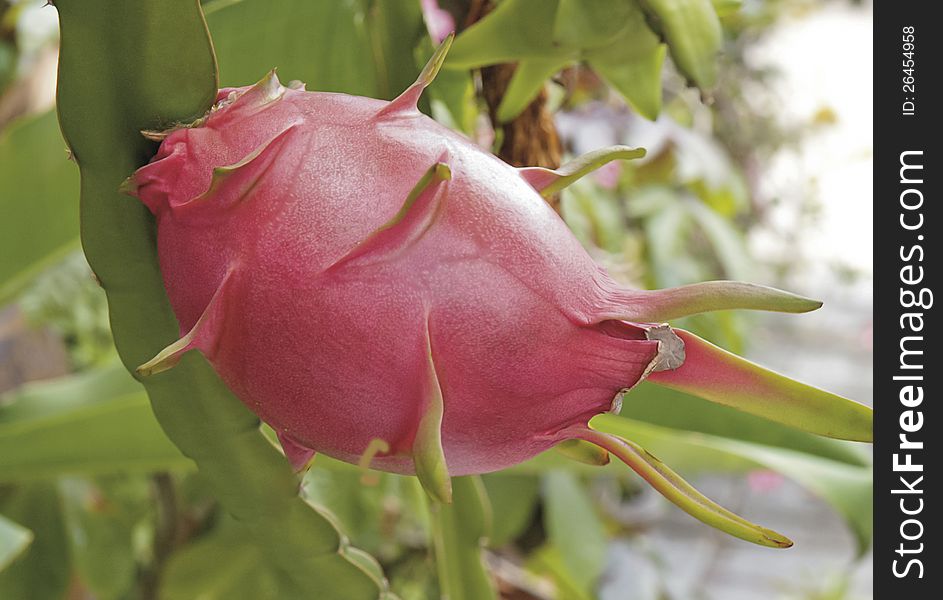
(372,284)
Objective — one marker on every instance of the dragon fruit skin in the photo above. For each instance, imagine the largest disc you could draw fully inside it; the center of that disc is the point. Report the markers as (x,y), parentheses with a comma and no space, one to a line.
(518,356)
(368,281)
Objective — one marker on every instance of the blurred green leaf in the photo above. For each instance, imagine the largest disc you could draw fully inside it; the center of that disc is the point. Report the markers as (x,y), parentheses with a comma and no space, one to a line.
(44,569)
(454,90)
(633,66)
(39,203)
(413,578)
(383,513)
(96,422)
(525,84)
(67,299)
(515,30)
(544,36)
(666,233)
(100,518)
(111,86)
(548,561)
(394,29)
(8,63)
(600,216)
(669,408)
(513,501)
(353,503)
(459,531)
(589,24)
(636,74)
(848,488)
(14,539)
(120,435)
(224,565)
(726,241)
(49,397)
(574,528)
(726,7)
(693,33)
(299,37)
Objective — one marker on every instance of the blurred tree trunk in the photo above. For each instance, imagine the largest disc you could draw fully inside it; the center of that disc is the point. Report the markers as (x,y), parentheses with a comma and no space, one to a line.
(531,139)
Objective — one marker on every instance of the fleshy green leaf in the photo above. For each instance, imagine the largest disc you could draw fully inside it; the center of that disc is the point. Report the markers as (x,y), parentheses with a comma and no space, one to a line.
(517,30)
(453,91)
(613,36)
(111,86)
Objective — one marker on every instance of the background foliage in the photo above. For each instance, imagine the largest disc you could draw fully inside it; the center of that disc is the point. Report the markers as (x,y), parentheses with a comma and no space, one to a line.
(95,500)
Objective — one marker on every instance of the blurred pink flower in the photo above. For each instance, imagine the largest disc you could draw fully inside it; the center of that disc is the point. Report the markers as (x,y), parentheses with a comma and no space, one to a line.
(438,20)
(608,175)
(764,481)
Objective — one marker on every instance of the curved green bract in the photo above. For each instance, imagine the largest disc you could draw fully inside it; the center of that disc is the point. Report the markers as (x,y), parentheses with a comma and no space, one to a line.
(674,488)
(712,373)
(672,303)
(846,487)
(146,65)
